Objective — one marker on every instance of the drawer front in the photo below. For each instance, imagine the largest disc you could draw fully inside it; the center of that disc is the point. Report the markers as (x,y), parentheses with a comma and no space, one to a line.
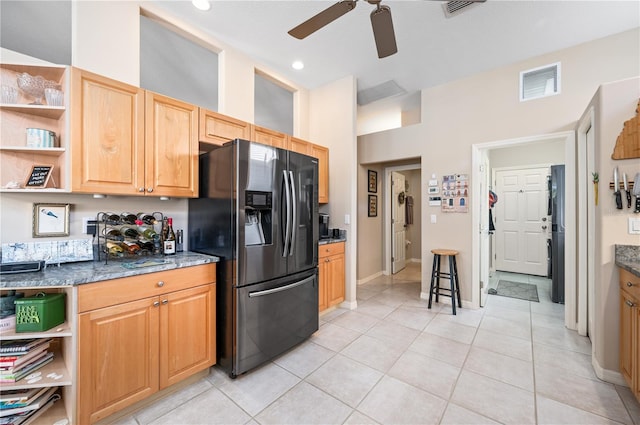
(630,283)
(116,291)
(330,249)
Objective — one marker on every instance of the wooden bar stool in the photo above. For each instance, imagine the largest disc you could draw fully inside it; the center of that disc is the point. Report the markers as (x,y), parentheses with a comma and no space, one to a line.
(452,275)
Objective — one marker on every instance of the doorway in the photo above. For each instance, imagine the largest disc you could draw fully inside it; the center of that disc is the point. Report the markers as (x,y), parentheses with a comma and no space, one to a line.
(486,155)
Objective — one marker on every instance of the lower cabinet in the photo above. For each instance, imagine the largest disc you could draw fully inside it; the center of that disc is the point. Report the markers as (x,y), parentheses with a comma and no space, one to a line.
(330,275)
(630,330)
(141,334)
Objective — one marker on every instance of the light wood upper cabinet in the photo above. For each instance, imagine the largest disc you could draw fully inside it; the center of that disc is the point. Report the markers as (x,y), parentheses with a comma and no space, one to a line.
(107,135)
(322,154)
(126,142)
(218,129)
(268,137)
(171,147)
(299,145)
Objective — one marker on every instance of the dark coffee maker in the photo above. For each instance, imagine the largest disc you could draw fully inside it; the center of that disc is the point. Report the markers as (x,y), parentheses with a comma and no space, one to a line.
(324,226)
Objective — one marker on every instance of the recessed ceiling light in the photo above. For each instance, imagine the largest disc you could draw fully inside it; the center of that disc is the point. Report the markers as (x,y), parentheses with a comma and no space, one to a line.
(297,65)
(201,4)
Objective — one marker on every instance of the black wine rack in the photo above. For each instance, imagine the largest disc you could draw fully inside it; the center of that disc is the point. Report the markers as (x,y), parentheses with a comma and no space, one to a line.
(112,228)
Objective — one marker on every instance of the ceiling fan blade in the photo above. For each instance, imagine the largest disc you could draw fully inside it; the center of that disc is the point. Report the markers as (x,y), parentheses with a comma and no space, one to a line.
(383,32)
(323,18)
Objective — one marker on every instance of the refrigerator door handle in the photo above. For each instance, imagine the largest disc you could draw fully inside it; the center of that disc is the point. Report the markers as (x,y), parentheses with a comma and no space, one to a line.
(287,235)
(294,215)
(280,288)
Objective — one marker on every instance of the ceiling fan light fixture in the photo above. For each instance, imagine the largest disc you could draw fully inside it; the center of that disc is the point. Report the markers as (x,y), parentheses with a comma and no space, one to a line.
(203,5)
(298,65)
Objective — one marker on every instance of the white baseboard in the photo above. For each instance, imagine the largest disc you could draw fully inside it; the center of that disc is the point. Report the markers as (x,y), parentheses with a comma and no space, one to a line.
(446,300)
(369,278)
(349,305)
(608,375)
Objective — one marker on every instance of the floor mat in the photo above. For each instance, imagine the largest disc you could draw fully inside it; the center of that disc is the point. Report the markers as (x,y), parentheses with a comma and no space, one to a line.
(520,290)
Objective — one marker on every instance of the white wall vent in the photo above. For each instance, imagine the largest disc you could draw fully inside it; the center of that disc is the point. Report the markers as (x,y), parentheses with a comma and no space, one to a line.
(456,7)
(381,91)
(540,82)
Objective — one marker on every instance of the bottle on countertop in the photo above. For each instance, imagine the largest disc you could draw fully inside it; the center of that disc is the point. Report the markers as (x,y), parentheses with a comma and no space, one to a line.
(131,247)
(169,240)
(113,248)
(179,241)
(128,218)
(147,218)
(146,231)
(130,232)
(113,234)
(146,245)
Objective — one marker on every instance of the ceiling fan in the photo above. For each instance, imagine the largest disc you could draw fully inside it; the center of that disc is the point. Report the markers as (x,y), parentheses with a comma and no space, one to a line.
(380,21)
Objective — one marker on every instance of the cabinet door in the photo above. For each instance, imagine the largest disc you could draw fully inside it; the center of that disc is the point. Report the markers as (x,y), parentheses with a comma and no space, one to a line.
(107,135)
(187,333)
(118,357)
(635,348)
(335,284)
(268,137)
(217,129)
(626,335)
(299,145)
(322,154)
(322,284)
(171,147)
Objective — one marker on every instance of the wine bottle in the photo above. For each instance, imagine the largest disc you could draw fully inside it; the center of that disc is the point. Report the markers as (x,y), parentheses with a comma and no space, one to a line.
(147,218)
(146,231)
(130,247)
(130,232)
(128,218)
(146,245)
(113,248)
(169,244)
(113,234)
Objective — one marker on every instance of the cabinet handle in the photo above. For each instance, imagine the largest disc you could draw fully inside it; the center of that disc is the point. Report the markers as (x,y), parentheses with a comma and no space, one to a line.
(629,284)
(141,189)
(165,302)
(160,284)
(629,303)
(156,303)
(150,190)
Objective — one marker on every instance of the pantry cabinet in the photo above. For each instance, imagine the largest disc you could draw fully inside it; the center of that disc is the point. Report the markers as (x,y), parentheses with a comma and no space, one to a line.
(331,275)
(126,141)
(217,129)
(630,330)
(18,112)
(138,335)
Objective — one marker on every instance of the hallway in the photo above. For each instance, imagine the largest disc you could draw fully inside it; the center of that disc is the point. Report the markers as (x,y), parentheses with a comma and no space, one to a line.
(394,361)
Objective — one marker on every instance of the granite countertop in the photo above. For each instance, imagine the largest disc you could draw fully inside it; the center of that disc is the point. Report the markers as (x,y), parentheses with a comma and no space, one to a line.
(628,258)
(70,274)
(331,240)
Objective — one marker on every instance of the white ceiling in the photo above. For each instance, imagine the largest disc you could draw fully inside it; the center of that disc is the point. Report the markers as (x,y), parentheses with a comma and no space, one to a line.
(431,48)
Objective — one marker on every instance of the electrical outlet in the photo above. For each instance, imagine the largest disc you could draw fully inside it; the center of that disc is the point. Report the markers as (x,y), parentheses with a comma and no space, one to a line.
(89,226)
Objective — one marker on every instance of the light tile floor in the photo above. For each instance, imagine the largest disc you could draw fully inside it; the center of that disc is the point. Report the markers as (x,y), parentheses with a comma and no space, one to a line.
(394,361)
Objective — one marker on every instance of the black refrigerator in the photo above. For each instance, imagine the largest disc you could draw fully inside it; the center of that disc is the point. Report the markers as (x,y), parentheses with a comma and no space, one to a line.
(557,203)
(258,211)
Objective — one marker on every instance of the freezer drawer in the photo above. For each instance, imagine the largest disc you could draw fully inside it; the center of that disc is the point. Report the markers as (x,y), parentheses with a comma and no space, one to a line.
(273,317)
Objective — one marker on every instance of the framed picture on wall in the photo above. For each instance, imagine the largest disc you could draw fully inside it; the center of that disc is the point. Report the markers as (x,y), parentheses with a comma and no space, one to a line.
(50,220)
(373,181)
(373,205)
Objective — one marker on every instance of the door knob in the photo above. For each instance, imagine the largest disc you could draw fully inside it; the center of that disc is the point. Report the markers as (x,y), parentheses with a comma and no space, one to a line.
(544,227)
(544,218)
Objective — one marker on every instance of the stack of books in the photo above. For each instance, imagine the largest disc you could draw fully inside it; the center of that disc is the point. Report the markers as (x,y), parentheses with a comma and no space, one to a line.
(21,407)
(18,358)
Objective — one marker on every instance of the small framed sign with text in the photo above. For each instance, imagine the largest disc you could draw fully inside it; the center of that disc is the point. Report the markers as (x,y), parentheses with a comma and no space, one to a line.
(38,176)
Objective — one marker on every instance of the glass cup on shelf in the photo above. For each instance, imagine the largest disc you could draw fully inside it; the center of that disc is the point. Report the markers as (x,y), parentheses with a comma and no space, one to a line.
(54,97)
(9,94)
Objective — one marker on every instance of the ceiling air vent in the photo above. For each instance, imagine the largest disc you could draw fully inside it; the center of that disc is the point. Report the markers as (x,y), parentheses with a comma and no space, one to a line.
(456,7)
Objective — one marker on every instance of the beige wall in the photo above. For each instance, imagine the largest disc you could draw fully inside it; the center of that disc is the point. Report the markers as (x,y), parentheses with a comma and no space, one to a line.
(485,108)
(332,123)
(613,104)
(414,231)
(370,237)
(539,153)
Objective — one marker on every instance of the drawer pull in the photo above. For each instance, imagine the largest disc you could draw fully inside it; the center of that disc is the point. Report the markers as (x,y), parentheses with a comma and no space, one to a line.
(629,284)
(156,303)
(629,303)
(165,302)
(160,284)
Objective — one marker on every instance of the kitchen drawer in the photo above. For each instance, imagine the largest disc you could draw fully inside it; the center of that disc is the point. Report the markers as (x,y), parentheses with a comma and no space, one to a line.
(630,283)
(117,291)
(329,249)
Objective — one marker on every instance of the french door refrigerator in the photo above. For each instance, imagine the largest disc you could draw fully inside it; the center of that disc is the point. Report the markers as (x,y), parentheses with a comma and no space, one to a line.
(258,212)
(557,198)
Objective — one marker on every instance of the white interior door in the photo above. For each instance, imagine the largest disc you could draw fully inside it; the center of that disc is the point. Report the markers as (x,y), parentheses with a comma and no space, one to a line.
(398,246)
(522,223)
(484,226)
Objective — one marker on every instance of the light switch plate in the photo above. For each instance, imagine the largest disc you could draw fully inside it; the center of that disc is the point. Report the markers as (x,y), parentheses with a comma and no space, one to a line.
(634,225)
